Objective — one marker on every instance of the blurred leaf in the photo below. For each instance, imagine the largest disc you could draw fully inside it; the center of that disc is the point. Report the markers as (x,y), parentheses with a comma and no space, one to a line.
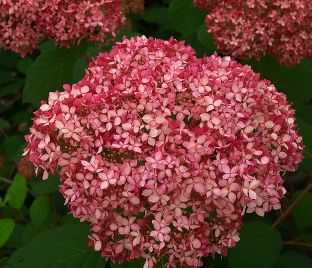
(293,259)
(16,193)
(6,229)
(3,123)
(185,17)
(11,88)
(155,14)
(133,264)
(305,113)
(25,64)
(39,210)
(62,247)
(259,247)
(42,187)
(79,69)
(46,45)
(15,240)
(12,145)
(6,76)
(301,214)
(51,70)
(305,129)
(206,39)
(3,261)
(28,234)
(8,59)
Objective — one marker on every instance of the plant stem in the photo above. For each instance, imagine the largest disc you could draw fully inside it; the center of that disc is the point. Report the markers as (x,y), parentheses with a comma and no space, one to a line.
(5,180)
(298,243)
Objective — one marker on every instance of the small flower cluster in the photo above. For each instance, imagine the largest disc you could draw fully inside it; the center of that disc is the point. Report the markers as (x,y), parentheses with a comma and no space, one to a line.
(252,28)
(162,152)
(24,23)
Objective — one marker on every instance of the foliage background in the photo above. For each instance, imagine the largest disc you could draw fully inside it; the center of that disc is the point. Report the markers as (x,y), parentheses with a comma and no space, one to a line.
(35,229)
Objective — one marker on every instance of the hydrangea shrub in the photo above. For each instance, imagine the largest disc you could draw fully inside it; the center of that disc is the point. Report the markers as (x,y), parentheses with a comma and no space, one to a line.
(246,29)
(162,153)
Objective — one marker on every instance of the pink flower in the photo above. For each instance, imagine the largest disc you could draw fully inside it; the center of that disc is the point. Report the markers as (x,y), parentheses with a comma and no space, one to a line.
(23,23)
(246,29)
(162,153)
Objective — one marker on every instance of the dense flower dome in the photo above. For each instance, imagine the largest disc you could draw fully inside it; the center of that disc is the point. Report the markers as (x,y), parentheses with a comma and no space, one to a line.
(162,153)
(246,29)
(24,23)
(18,27)
(67,21)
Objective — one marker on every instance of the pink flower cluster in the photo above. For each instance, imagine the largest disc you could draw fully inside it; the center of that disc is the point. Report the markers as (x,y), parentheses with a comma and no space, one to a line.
(252,28)
(18,29)
(162,152)
(23,23)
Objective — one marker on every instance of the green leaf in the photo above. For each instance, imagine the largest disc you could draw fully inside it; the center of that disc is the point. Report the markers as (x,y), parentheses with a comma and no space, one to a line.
(305,129)
(3,123)
(39,210)
(259,247)
(6,76)
(42,187)
(16,193)
(134,264)
(51,70)
(185,17)
(79,69)
(302,213)
(62,247)
(155,14)
(293,259)
(8,59)
(206,39)
(11,88)
(25,64)
(6,229)
(11,145)
(15,240)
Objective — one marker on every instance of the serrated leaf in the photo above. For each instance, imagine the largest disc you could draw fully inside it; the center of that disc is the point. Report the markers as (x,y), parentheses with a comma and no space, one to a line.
(6,229)
(16,193)
(62,247)
(51,70)
(259,247)
(184,17)
(39,210)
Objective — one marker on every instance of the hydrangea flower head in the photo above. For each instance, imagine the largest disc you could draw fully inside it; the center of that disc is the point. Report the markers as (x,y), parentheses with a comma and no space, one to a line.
(162,153)
(67,21)
(23,23)
(18,28)
(246,29)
